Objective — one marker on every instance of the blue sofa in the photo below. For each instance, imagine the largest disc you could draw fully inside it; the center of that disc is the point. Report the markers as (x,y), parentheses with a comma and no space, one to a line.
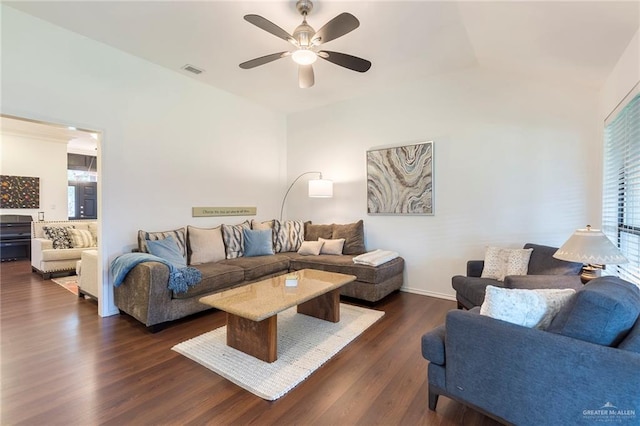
(545,271)
(584,369)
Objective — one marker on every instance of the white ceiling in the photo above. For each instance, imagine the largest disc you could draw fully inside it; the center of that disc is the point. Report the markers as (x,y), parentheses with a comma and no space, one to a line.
(78,141)
(574,41)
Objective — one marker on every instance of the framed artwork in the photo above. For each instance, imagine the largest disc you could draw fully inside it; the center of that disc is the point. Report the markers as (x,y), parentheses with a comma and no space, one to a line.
(400,180)
(19,192)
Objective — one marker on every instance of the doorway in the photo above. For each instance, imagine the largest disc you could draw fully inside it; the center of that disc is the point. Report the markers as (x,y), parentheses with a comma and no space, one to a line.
(83,200)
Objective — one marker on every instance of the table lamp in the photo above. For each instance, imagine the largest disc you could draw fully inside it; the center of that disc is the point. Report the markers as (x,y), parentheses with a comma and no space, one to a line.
(593,249)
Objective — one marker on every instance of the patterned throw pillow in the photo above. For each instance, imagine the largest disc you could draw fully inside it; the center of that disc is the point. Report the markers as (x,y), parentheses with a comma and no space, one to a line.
(500,262)
(179,235)
(80,238)
(234,239)
(288,235)
(59,235)
(93,228)
(528,308)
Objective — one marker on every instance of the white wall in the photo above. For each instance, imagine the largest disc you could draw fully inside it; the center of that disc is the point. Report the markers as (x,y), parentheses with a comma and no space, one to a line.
(169,142)
(36,157)
(515,162)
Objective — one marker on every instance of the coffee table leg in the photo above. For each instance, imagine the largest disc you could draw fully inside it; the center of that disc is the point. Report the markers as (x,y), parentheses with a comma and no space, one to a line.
(256,338)
(326,306)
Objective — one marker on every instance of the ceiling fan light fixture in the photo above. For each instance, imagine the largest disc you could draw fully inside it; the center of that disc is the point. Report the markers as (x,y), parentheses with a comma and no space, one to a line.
(304,56)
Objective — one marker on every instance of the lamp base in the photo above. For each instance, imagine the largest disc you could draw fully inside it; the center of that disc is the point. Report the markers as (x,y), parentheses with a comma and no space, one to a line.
(589,273)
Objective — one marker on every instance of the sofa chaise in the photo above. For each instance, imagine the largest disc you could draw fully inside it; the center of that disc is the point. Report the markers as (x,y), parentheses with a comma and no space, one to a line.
(56,246)
(584,368)
(144,294)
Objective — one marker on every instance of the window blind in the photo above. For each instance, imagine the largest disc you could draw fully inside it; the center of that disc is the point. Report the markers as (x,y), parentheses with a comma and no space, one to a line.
(621,188)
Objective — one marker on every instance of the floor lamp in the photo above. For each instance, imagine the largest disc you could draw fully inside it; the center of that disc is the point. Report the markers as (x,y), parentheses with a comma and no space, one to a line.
(318,188)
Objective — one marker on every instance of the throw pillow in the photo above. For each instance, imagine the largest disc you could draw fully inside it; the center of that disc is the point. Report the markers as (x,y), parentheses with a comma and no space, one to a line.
(313,232)
(334,247)
(80,238)
(179,235)
(93,228)
(234,239)
(602,312)
(59,235)
(261,225)
(310,248)
(500,262)
(528,308)
(257,242)
(167,249)
(353,233)
(288,235)
(205,245)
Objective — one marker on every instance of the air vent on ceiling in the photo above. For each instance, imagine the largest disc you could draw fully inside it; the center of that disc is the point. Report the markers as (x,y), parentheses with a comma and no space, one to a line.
(192,69)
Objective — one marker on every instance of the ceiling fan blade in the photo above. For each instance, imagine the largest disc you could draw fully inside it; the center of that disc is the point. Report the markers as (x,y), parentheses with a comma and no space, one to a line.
(337,27)
(305,76)
(270,27)
(351,62)
(263,60)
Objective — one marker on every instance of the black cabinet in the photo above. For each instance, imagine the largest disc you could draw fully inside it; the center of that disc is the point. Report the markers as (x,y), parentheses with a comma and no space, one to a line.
(15,237)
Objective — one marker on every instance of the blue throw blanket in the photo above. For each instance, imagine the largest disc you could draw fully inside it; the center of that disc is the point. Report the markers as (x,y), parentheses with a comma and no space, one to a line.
(180,279)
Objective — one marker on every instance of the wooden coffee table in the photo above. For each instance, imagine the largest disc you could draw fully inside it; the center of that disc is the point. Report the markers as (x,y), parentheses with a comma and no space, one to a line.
(252,310)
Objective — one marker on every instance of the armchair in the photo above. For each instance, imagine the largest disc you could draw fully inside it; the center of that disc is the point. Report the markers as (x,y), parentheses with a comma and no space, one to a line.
(544,271)
(527,376)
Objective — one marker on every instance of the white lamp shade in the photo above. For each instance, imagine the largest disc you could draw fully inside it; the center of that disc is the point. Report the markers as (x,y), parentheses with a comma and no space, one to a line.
(590,246)
(320,188)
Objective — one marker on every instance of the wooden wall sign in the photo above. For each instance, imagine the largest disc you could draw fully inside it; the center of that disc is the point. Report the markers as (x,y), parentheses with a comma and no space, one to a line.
(223,211)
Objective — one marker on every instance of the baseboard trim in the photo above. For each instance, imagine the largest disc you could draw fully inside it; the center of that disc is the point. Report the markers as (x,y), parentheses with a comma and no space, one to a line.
(428,293)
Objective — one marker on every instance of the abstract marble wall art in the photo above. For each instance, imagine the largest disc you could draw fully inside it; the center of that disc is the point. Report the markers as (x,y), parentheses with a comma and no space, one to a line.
(19,192)
(400,179)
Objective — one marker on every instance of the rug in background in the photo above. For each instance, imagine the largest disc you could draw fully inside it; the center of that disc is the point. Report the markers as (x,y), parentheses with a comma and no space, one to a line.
(304,344)
(69,283)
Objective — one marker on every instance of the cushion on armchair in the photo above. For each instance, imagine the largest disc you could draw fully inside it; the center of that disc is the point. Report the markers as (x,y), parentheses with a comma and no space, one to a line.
(500,262)
(602,312)
(529,308)
(542,262)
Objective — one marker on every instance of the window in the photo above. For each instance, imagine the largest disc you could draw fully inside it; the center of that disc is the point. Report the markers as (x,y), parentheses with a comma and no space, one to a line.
(621,189)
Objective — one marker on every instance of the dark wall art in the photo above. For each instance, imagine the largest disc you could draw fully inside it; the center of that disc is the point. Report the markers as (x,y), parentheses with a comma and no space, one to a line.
(400,180)
(19,192)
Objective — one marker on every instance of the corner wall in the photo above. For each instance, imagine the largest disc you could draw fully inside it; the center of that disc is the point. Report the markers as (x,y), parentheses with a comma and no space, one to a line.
(515,162)
(169,142)
(624,78)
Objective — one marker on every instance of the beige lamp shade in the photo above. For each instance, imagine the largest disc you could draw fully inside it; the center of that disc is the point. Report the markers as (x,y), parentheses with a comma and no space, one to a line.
(590,246)
(320,188)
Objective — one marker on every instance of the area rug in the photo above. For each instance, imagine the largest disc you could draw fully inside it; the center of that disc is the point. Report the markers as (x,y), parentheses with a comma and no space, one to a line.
(69,283)
(304,344)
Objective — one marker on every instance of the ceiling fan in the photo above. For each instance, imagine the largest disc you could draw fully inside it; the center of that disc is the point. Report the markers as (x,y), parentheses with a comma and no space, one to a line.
(307,41)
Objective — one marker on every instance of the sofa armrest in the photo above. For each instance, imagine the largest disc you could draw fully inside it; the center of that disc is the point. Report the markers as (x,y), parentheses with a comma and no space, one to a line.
(433,345)
(543,281)
(497,366)
(474,268)
(37,246)
(144,294)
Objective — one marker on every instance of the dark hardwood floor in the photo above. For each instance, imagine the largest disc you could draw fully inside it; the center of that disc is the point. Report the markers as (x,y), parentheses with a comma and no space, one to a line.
(63,364)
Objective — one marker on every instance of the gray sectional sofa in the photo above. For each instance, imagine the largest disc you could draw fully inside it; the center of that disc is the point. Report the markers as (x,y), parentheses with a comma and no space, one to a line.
(144,293)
